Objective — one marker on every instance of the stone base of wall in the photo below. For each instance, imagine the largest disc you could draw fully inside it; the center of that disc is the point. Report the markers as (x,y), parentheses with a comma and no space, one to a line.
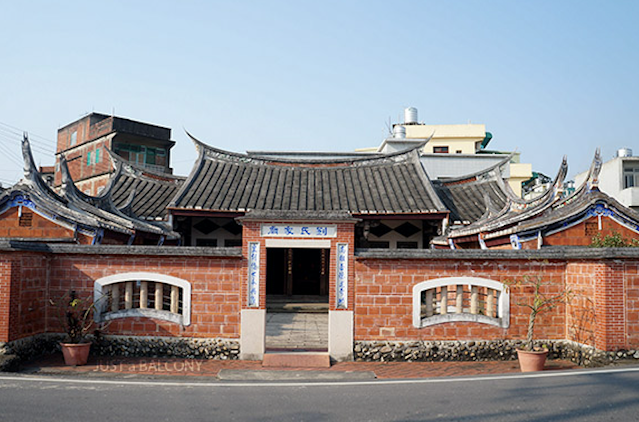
(12,353)
(193,348)
(30,347)
(450,351)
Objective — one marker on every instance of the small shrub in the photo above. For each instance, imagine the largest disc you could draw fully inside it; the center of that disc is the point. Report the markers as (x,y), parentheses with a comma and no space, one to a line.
(614,240)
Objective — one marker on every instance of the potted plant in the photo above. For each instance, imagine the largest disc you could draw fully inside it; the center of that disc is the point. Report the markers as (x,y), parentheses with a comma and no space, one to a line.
(532,357)
(76,317)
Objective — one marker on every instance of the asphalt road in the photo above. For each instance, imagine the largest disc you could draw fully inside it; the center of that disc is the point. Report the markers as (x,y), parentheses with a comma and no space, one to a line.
(602,395)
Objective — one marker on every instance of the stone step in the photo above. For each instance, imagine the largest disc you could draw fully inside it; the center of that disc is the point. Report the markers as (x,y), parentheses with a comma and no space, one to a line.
(297,359)
(310,308)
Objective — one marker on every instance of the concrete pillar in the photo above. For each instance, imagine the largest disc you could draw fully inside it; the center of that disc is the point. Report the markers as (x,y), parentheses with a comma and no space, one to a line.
(443,301)
(115,297)
(144,295)
(340,335)
(128,295)
(158,295)
(252,334)
(175,299)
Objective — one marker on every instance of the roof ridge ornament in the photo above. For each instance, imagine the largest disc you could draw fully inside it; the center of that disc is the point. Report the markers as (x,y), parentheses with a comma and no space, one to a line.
(593,173)
(551,195)
(31,173)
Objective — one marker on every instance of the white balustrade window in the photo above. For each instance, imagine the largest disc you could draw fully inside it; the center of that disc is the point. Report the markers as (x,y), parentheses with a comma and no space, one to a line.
(457,299)
(140,294)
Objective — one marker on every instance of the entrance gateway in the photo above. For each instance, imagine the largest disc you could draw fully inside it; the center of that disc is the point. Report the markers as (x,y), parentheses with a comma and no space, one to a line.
(297,299)
(297,293)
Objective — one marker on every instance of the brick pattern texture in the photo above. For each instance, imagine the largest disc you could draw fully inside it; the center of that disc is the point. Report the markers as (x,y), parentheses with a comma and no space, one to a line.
(604,311)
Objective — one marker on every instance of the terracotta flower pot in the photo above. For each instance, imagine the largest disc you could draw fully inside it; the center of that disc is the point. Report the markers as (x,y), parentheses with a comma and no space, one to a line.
(531,361)
(75,354)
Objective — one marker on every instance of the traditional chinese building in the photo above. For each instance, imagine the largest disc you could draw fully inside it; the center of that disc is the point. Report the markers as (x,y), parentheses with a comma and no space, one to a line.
(352,233)
(553,219)
(32,211)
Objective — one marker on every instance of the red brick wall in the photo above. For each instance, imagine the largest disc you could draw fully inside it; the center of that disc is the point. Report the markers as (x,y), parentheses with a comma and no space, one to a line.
(609,297)
(383,304)
(581,318)
(5,296)
(26,310)
(214,282)
(79,170)
(631,283)
(39,227)
(604,311)
(579,235)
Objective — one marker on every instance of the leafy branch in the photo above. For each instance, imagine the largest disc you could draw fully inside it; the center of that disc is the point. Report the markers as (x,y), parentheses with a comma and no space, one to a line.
(541,301)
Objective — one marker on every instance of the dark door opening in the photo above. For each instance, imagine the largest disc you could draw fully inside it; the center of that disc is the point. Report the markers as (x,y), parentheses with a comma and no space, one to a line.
(297,272)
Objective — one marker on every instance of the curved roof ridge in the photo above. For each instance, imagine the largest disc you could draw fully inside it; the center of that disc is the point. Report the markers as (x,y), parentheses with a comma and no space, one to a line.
(32,175)
(590,182)
(550,195)
(515,212)
(102,206)
(237,156)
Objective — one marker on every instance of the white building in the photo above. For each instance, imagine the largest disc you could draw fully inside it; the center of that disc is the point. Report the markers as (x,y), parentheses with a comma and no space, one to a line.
(619,178)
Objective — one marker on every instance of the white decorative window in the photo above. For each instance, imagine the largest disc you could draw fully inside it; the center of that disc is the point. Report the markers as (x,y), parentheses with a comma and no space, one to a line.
(456,299)
(140,294)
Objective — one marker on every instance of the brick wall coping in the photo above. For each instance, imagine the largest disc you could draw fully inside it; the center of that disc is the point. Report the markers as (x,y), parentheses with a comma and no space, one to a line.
(560,253)
(550,253)
(12,246)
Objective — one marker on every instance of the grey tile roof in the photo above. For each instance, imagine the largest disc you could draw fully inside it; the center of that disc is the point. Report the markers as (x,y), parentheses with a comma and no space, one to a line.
(476,196)
(469,201)
(140,192)
(102,206)
(516,209)
(72,208)
(231,182)
(33,192)
(552,211)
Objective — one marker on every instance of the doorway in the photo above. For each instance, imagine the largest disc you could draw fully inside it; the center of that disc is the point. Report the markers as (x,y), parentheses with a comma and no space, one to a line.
(297,298)
(297,273)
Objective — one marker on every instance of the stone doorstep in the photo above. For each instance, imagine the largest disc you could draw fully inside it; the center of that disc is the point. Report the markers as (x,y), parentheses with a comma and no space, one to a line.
(296,360)
(298,308)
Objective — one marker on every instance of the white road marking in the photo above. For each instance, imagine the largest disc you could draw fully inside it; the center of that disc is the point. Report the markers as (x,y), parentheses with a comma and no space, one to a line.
(549,374)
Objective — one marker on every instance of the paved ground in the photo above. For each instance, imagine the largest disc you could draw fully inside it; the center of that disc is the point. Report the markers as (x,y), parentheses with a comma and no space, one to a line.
(54,364)
(297,331)
(283,331)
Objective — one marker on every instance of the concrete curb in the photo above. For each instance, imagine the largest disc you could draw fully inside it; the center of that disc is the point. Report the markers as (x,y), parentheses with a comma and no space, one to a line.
(266,375)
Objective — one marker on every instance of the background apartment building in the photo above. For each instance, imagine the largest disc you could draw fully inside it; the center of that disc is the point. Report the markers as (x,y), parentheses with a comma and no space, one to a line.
(84,144)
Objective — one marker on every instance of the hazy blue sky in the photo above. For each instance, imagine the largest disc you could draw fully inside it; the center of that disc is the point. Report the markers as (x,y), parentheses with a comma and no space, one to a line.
(547,78)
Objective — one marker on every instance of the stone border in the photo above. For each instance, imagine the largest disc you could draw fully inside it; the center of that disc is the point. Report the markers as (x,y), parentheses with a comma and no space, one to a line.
(182,347)
(13,353)
(495,350)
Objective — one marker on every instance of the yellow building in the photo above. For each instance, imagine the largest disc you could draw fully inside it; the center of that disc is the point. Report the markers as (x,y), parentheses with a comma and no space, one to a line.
(464,146)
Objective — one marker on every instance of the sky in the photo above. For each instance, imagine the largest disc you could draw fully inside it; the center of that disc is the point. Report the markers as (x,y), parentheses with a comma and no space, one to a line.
(547,78)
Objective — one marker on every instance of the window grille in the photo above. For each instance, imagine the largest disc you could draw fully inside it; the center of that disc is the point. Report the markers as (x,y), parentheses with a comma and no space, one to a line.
(143,294)
(457,299)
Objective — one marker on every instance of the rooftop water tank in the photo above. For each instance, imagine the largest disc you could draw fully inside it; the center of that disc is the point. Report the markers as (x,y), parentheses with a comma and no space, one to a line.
(399,132)
(624,152)
(410,116)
